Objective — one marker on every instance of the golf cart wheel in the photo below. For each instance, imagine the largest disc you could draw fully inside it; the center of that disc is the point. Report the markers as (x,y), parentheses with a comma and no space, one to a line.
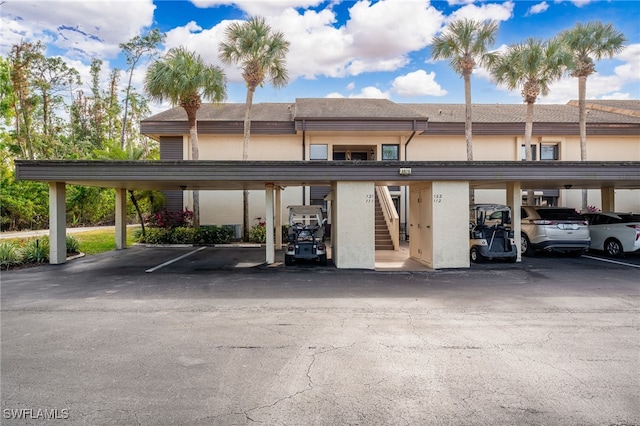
(475,255)
(613,248)
(323,259)
(525,245)
(288,259)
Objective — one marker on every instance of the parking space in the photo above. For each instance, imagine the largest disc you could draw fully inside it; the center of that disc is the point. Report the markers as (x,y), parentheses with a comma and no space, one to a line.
(218,337)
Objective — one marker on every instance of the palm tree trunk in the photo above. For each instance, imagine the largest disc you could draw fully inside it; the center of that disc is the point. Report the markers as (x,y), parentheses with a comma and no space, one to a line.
(467,116)
(134,200)
(245,157)
(195,155)
(528,131)
(468,133)
(582,111)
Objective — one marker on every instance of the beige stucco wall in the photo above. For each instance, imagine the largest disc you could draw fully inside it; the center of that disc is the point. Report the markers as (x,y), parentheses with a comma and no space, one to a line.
(261,147)
(225,207)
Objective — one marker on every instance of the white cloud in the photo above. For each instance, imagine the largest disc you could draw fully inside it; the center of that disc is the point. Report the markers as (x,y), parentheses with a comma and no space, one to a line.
(538,8)
(259,8)
(369,92)
(377,37)
(417,83)
(459,2)
(81,29)
(617,96)
(581,3)
(487,11)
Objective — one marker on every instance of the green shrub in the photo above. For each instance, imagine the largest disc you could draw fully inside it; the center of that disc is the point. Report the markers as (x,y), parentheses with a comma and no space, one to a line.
(182,235)
(156,236)
(36,250)
(211,234)
(10,254)
(73,245)
(258,233)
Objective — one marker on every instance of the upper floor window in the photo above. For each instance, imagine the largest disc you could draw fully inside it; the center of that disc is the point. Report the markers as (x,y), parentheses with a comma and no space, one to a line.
(534,152)
(548,151)
(390,152)
(318,152)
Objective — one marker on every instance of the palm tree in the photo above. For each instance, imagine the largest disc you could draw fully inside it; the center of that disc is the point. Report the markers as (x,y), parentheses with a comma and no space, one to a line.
(464,43)
(111,150)
(587,42)
(531,66)
(184,79)
(261,53)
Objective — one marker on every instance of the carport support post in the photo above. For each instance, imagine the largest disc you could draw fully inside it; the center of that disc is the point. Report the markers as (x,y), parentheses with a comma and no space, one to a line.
(608,199)
(121,218)
(270,255)
(514,200)
(57,223)
(278,218)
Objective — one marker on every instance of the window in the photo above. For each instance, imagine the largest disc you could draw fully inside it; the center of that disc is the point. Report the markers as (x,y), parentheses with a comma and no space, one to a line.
(534,151)
(549,151)
(390,152)
(318,152)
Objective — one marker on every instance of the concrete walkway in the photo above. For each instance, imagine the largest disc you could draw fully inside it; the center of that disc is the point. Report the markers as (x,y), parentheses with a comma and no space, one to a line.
(45,232)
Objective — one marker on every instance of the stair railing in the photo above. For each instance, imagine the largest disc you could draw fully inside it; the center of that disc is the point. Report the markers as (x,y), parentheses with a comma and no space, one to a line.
(390,214)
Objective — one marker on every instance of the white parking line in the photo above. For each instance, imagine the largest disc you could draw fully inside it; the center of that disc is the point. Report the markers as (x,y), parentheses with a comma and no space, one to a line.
(612,261)
(169,262)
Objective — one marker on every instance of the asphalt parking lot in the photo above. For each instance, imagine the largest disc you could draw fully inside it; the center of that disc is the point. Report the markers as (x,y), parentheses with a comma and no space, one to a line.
(219,338)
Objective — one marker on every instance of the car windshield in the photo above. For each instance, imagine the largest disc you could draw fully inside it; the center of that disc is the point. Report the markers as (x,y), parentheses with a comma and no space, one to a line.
(559,214)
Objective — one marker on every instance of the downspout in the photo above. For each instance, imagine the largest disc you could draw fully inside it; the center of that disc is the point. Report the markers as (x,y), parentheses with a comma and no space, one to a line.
(304,156)
(406,192)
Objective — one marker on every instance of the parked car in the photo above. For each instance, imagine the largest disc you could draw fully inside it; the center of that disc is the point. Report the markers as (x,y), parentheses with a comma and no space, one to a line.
(614,233)
(490,233)
(553,229)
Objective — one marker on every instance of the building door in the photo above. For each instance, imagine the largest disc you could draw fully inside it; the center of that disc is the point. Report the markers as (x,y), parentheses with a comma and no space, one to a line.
(421,234)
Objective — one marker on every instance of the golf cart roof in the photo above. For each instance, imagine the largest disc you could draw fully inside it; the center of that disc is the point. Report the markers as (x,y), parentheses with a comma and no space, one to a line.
(305,209)
(490,207)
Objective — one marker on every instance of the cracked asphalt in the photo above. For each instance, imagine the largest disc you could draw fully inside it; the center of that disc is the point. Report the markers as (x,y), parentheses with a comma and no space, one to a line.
(219,339)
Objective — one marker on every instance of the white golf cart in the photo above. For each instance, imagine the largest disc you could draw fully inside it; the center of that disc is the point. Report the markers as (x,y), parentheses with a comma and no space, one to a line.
(490,233)
(306,235)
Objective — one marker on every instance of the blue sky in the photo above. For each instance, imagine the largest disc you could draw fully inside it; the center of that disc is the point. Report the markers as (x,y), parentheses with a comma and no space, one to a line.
(364,48)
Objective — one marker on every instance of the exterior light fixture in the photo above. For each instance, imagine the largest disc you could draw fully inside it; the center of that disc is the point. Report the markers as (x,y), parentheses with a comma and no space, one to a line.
(405,171)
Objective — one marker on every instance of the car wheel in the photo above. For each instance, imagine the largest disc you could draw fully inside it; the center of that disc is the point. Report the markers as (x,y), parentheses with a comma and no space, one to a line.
(525,245)
(288,259)
(513,259)
(613,248)
(475,255)
(323,259)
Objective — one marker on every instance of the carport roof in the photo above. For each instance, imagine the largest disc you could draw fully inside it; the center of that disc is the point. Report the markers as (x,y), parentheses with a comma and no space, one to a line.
(234,175)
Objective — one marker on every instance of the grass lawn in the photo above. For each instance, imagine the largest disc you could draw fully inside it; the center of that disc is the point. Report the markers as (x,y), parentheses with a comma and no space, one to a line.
(93,242)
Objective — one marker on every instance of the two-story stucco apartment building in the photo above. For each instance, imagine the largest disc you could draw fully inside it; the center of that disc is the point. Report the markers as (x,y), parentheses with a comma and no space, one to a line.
(361,130)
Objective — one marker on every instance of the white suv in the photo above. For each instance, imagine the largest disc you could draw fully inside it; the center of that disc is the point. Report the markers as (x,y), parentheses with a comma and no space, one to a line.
(553,229)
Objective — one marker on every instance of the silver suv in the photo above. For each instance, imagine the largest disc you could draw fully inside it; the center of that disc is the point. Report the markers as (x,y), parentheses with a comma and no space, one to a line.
(553,229)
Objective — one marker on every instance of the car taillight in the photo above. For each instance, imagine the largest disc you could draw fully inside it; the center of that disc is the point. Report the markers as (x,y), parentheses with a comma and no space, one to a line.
(321,247)
(637,228)
(542,222)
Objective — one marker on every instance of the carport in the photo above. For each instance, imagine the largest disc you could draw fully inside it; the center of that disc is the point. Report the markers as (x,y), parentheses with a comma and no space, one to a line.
(438,191)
